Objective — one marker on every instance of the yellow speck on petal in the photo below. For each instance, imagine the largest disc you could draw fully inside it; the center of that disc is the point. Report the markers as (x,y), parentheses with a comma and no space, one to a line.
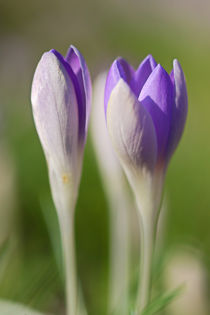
(65,178)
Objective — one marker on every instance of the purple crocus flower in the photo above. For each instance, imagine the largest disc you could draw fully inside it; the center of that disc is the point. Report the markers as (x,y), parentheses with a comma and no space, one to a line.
(145,112)
(154,103)
(61,97)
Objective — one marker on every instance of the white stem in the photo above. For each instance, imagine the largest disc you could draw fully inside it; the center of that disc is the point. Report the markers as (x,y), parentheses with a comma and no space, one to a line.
(119,259)
(64,195)
(146,255)
(147,233)
(68,246)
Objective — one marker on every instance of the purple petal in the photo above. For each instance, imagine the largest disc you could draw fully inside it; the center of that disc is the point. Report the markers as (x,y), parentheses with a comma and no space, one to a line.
(80,100)
(80,69)
(142,73)
(157,98)
(179,113)
(172,76)
(120,69)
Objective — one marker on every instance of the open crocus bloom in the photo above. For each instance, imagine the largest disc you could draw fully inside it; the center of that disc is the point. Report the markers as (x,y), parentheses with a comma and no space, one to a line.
(61,96)
(146,111)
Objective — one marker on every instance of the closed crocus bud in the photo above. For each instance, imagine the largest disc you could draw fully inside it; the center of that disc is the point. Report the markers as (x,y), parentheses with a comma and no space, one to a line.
(145,111)
(61,96)
(61,93)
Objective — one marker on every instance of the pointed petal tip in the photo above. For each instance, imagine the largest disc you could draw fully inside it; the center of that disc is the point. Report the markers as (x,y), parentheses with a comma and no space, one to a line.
(119,64)
(55,52)
(158,71)
(75,50)
(159,68)
(115,63)
(49,53)
(176,63)
(177,67)
(120,59)
(73,47)
(48,58)
(149,57)
(52,51)
(58,56)
(74,57)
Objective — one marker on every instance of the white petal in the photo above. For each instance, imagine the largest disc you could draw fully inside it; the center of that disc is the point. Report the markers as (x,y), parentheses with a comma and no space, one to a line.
(55,112)
(131,130)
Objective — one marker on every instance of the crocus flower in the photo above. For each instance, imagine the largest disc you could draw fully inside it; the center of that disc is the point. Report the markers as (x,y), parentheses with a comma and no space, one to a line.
(145,111)
(61,93)
(61,96)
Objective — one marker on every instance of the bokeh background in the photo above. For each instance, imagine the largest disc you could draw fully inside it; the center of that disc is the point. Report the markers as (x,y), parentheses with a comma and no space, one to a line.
(102,30)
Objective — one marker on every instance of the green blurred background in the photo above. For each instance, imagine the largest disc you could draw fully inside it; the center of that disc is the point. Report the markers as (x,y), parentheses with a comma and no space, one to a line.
(102,30)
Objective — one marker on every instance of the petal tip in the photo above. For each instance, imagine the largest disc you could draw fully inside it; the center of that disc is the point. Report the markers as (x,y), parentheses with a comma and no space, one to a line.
(176,63)
(160,71)
(151,60)
(177,68)
(53,51)
(49,54)
(75,50)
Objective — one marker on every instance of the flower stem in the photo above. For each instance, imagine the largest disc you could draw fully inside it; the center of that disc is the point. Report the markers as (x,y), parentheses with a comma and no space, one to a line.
(67,238)
(147,232)
(147,247)
(119,260)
